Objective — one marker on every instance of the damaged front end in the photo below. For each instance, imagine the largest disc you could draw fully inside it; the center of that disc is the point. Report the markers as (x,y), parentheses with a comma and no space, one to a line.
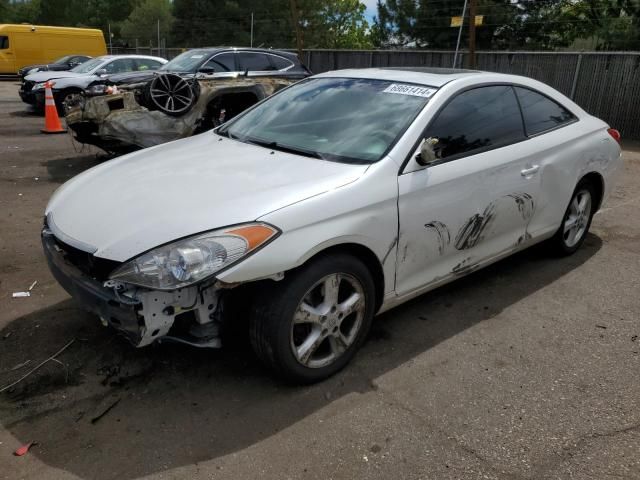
(191,315)
(169,107)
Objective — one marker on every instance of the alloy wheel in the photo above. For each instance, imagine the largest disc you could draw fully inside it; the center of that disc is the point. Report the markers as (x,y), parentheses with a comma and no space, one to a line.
(327,320)
(577,219)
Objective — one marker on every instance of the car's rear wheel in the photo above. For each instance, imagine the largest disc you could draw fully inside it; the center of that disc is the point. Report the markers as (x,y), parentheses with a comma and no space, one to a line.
(576,221)
(309,326)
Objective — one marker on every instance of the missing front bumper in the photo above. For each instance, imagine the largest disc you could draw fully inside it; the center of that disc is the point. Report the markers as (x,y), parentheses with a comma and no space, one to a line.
(189,315)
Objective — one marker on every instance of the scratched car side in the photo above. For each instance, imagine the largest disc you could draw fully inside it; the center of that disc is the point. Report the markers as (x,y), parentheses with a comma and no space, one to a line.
(336,199)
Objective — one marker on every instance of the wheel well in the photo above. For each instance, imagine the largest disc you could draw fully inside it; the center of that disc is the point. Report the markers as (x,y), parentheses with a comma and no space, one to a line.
(597,181)
(235,102)
(370,261)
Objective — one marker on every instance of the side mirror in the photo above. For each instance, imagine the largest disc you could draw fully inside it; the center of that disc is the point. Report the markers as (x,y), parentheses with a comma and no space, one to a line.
(101,72)
(207,70)
(427,153)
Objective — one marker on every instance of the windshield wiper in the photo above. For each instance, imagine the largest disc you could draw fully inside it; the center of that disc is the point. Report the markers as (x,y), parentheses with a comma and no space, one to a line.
(283,148)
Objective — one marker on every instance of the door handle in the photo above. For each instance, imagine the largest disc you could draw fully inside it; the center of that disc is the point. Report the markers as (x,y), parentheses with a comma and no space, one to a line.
(530,171)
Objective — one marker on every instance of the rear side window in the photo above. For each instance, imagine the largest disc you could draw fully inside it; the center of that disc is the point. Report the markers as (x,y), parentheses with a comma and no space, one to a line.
(477,120)
(540,112)
(121,65)
(280,63)
(147,64)
(4,42)
(254,61)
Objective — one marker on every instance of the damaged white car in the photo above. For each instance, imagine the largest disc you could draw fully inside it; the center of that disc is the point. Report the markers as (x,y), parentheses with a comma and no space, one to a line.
(335,199)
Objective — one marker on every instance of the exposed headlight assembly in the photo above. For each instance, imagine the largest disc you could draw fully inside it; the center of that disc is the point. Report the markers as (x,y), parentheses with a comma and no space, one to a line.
(195,258)
(99,89)
(40,85)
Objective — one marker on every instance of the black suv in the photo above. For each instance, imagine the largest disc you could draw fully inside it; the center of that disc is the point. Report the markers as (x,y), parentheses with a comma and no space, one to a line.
(220,62)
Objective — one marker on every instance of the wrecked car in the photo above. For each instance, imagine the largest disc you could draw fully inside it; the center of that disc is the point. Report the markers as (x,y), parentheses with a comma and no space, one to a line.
(332,201)
(194,92)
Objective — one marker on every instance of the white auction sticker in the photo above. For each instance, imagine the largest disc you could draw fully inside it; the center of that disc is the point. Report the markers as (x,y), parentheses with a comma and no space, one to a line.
(410,90)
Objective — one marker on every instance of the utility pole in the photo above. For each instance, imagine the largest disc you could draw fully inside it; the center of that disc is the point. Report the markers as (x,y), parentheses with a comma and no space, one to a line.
(296,24)
(158,37)
(464,13)
(110,44)
(251,30)
(472,33)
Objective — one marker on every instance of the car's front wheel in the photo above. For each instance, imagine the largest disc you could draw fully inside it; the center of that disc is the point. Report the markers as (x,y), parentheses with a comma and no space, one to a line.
(576,221)
(309,325)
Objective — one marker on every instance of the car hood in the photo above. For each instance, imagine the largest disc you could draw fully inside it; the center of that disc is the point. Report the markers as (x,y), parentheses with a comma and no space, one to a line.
(129,205)
(48,75)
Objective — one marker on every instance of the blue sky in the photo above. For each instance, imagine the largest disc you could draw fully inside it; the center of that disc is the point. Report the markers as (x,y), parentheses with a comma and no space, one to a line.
(371,8)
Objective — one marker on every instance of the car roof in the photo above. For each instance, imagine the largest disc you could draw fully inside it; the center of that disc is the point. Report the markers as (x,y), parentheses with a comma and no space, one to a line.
(111,57)
(244,49)
(433,77)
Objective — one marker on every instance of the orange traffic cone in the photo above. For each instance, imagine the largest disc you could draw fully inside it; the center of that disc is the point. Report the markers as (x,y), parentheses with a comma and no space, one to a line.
(51,120)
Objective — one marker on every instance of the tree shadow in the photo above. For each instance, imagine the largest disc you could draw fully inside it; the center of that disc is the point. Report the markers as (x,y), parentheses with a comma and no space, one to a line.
(179,405)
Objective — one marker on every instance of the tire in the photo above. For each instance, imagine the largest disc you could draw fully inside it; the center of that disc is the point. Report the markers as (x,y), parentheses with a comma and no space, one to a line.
(581,209)
(282,344)
(61,97)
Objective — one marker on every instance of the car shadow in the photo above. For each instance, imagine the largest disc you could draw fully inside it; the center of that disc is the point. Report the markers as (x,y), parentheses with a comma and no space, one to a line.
(111,411)
(60,170)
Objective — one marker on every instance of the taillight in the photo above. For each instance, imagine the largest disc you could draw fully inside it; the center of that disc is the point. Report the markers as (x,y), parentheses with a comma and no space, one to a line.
(614,133)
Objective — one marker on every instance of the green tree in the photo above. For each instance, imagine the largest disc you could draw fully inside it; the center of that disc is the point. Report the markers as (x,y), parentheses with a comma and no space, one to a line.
(142,22)
(334,24)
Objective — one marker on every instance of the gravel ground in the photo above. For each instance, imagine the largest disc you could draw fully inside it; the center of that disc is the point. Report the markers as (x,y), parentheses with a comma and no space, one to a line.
(528,369)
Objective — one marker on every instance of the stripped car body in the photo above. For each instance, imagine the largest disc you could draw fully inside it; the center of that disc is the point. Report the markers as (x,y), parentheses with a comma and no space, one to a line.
(125,121)
(197,90)
(338,198)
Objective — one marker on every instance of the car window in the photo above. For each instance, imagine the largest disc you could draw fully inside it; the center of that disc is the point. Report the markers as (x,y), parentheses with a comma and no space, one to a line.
(540,112)
(187,62)
(4,42)
(254,61)
(88,66)
(64,60)
(78,59)
(224,62)
(147,64)
(477,119)
(121,65)
(340,119)
(279,62)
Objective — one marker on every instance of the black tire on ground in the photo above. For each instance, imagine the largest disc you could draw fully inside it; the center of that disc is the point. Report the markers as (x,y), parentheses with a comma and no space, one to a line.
(563,243)
(61,96)
(272,330)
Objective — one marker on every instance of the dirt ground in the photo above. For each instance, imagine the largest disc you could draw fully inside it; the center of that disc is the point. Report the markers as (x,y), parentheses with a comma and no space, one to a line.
(529,369)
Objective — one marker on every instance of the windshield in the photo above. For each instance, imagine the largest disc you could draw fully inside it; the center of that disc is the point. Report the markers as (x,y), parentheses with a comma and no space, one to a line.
(62,60)
(341,119)
(88,66)
(187,62)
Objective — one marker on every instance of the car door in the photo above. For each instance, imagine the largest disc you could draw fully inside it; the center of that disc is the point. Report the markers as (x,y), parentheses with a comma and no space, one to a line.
(223,64)
(7,57)
(255,62)
(120,65)
(474,201)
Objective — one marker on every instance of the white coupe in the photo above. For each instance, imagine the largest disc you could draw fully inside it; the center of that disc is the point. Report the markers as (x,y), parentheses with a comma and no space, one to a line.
(338,198)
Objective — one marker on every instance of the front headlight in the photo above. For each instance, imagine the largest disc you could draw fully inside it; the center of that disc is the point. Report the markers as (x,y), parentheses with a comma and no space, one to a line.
(98,89)
(40,85)
(193,259)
